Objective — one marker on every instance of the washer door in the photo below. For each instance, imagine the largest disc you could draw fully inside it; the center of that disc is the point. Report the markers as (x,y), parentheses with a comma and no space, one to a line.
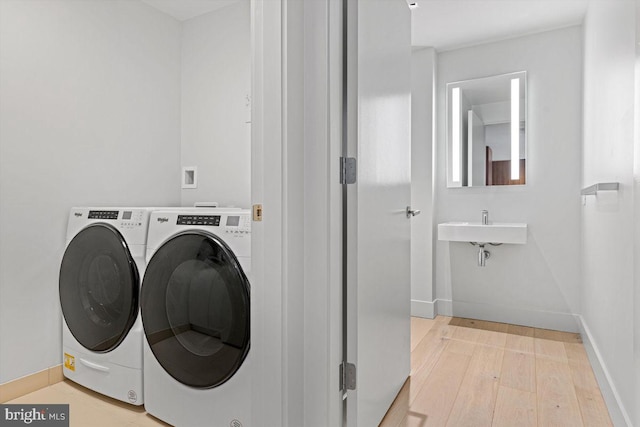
(99,288)
(195,309)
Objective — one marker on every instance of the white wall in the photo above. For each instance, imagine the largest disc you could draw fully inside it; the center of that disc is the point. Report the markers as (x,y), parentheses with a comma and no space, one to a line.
(608,220)
(216,110)
(636,263)
(89,115)
(537,283)
(423,62)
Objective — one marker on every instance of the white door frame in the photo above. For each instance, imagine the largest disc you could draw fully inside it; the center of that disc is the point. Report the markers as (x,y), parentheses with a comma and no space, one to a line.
(266,188)
(296,249)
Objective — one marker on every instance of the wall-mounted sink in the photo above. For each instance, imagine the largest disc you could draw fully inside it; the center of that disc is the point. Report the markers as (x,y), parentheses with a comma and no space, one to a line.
(497,232)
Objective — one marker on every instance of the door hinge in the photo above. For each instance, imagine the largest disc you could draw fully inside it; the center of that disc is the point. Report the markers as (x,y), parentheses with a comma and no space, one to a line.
(347,170)
(347,376)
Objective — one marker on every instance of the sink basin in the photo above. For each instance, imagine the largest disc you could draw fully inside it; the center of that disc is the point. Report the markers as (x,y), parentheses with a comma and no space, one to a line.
(497,232)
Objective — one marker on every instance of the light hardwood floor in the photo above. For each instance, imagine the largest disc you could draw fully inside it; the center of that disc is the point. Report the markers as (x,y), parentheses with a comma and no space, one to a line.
(465,373)
(472,373)
(90,409)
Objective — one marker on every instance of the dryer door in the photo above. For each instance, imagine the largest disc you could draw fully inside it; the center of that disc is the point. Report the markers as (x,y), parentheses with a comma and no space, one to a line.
(99,288)
(195,309)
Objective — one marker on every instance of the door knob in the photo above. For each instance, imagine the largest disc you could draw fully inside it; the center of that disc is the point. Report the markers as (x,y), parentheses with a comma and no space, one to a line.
(412,212)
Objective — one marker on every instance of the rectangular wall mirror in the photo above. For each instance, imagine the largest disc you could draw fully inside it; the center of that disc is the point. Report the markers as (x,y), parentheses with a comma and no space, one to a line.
(487,131)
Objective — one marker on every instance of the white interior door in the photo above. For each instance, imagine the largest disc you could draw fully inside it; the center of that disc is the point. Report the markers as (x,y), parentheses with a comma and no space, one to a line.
(378,230)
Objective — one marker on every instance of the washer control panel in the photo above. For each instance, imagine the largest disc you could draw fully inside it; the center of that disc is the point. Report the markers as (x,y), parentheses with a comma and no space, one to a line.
(103,214)
(132,219)
(127,219)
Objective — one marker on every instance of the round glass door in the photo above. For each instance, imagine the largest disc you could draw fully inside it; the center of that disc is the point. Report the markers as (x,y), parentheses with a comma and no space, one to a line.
(195,309)
(99,288)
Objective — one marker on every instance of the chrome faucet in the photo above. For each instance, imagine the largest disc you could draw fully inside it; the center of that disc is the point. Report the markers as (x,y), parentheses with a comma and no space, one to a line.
(485,217)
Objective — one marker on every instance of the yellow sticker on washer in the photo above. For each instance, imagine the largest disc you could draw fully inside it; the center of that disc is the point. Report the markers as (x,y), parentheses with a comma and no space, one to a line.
(69,362)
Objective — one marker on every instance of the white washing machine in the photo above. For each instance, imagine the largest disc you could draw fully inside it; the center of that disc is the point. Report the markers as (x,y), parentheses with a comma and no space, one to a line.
(99,284)
(195,306)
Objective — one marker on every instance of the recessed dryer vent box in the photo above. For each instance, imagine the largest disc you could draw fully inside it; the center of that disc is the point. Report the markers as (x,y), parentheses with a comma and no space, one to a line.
(189,177)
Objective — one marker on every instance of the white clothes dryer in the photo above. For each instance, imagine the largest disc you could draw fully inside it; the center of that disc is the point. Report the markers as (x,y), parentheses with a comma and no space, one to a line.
(99,284)
(195,306)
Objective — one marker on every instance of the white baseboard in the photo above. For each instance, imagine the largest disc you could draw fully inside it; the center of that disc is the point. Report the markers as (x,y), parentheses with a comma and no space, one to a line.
(424,309)
(517,316)
(444,307)
(431,309)
(617,412)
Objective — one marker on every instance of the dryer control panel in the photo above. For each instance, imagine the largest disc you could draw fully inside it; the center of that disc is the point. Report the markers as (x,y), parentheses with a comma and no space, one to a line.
(234,224)
(212,220)
(238,224)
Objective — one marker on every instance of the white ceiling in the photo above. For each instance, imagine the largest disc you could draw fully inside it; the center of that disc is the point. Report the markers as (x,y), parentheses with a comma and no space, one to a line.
(449,24)
(445,24)
(187,9)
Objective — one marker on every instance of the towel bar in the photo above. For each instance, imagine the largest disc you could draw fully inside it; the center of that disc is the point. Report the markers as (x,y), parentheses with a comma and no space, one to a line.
(601,186)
